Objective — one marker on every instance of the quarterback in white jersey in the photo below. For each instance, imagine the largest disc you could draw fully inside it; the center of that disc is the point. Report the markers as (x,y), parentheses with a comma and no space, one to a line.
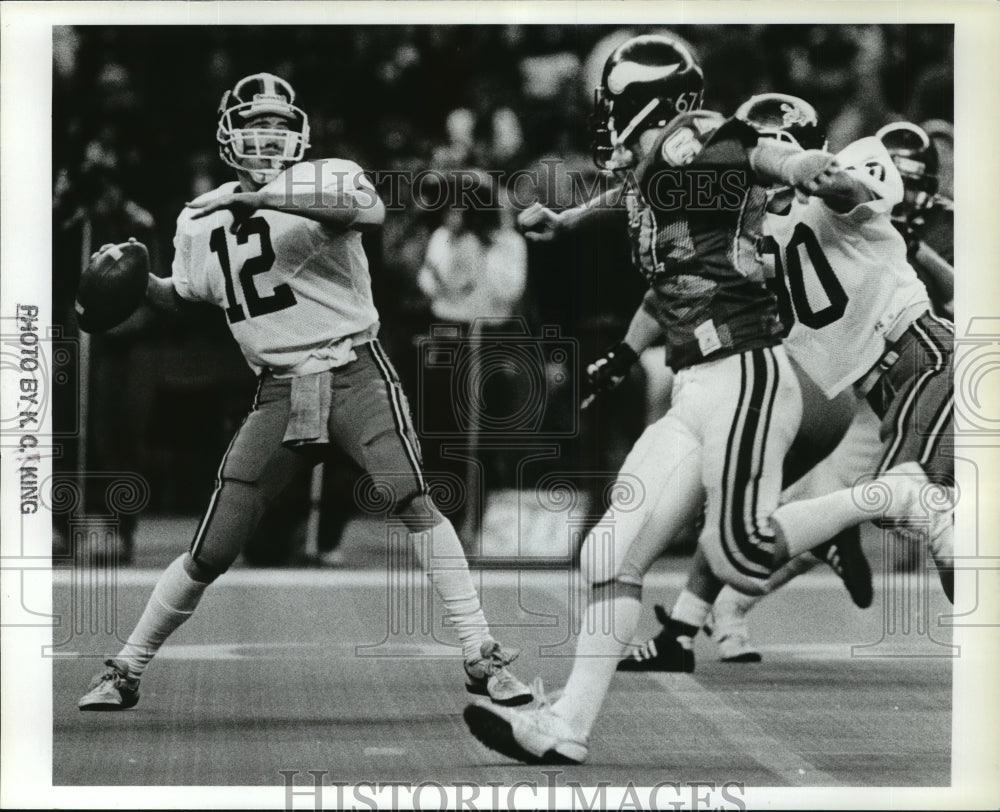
(280,251)
(310,281)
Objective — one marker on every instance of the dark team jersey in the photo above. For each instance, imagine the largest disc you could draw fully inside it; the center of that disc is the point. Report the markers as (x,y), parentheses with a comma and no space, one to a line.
(934,226)
(694,219)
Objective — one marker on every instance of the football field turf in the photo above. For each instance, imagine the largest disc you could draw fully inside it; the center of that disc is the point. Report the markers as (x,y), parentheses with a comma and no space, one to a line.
(339,670)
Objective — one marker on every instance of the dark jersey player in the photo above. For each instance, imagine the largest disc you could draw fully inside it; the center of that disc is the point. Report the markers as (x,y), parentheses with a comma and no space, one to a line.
(924,217)
(694,188)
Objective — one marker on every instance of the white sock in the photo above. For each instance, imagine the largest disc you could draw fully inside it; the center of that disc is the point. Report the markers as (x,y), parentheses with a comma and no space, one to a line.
(609,623)
(441,556)
(690,609)
(173,601)
(809,522)
(732,601)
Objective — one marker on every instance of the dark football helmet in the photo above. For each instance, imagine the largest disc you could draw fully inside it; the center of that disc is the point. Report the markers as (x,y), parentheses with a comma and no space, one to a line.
(264,152)
(915,156)
(646,82)
(786,118)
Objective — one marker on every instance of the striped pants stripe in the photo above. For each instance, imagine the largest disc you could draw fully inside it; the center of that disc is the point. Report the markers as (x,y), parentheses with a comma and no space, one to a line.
(720,446)
(369,418)
(915,400)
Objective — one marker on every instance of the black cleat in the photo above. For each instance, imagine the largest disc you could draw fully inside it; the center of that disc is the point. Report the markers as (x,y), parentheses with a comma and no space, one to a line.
(844,555)
(671,650)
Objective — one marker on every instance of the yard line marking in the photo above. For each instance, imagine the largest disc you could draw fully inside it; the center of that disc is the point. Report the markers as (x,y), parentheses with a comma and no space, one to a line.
(745,735)
(322,650)
(818,652)
(384,751)
(367,578)
(811,651)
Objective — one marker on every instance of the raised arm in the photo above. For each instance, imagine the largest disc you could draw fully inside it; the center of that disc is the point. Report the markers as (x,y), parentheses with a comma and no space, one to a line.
(342,198)
(775,162)
(539,223)
(862,175)
(357,208)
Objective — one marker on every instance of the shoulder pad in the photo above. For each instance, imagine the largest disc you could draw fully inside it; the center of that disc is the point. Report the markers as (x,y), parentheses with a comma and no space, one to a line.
(326,171)
(684,137)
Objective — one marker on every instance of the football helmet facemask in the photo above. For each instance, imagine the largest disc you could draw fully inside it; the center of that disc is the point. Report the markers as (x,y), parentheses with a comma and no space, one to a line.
(784,118)
(646,82)
(915,156)
(251,148)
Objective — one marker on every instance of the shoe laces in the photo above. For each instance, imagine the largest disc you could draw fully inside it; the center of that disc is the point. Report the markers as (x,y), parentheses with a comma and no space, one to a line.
(113,672)
(498,658)
(833,559)
(537,689)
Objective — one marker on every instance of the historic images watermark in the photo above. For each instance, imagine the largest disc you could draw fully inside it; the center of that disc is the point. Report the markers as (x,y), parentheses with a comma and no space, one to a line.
(319,789)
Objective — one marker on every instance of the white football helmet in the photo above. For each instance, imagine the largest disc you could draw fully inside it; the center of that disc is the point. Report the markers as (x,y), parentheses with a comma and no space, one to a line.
(250,149)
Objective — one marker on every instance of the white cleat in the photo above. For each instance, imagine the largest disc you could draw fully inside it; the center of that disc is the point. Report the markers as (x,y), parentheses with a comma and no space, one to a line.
(727,626)
(736,648)
(490,676)
(536,735)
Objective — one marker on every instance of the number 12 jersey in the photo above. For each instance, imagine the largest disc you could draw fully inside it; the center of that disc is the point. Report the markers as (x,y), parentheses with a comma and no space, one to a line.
(842,280)
(294,290)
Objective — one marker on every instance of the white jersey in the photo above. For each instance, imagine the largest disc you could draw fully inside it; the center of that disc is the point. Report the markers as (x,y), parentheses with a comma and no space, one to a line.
(294,290)
(844,277)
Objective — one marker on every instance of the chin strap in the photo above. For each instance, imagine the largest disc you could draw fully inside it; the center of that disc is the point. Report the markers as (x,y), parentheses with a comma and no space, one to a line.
(265,176)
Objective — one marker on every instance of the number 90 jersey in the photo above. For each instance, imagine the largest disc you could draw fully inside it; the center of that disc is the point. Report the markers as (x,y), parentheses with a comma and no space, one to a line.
(842,280)
(293,289)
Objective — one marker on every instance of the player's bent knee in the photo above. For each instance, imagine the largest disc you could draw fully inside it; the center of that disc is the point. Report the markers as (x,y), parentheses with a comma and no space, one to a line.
(726,572)
(599,564)
(418,512)
(199,570)
(614,589)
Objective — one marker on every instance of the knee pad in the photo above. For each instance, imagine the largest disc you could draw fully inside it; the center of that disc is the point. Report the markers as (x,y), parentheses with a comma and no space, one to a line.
(609,590)
(598,563)
(199,571)
(418,512)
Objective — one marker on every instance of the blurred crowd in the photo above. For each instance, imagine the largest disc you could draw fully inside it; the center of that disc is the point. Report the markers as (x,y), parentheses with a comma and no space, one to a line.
(134,117)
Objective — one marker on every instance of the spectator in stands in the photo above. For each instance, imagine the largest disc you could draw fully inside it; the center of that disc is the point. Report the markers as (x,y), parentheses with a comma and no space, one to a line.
(473,276)
(476,262)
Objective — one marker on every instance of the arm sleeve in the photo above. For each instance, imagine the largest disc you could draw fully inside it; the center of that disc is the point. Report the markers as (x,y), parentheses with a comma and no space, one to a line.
(729,146)
(185,286)
(702,143)
(309,183)
(346,177)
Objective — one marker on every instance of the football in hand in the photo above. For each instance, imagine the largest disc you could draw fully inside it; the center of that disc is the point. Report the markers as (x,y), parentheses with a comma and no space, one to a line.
(112,286)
